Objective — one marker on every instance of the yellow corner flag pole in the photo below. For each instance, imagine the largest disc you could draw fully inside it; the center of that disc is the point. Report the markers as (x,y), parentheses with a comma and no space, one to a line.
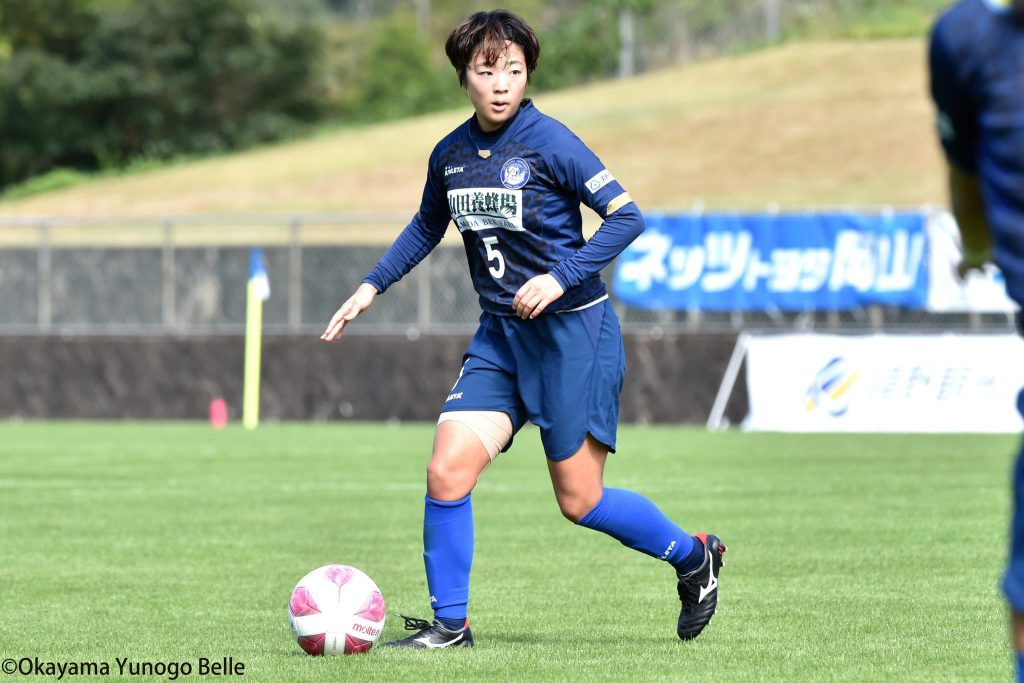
(257,292)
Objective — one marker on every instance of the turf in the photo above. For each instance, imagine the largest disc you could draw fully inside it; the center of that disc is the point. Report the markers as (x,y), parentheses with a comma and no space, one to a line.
(851,557)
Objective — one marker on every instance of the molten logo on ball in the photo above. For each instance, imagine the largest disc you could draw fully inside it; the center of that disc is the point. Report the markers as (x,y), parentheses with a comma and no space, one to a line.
(336,610)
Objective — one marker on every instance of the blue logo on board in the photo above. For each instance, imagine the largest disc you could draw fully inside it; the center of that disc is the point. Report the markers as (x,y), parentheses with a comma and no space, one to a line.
(830,388)
(515,173)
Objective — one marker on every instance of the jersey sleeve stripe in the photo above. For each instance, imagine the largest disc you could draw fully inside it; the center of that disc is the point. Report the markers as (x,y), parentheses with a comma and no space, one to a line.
(617,203)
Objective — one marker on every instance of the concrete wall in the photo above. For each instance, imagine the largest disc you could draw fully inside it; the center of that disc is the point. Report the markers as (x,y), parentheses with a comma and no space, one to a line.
(671,378)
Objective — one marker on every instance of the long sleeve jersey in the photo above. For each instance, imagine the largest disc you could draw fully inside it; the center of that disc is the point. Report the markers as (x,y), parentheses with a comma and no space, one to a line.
(977,69)
(515,196)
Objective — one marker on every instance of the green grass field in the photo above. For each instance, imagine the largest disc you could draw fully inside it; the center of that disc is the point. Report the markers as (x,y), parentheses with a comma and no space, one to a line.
(851,557)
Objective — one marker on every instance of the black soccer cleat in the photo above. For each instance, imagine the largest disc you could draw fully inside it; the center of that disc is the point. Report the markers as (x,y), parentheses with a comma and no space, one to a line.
(698,590)
(432,635)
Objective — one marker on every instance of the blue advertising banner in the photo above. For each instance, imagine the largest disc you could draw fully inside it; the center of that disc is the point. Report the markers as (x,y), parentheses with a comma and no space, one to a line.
(787,262)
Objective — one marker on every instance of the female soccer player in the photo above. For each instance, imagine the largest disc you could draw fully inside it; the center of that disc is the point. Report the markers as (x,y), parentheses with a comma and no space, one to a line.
(977,81)
(548,348)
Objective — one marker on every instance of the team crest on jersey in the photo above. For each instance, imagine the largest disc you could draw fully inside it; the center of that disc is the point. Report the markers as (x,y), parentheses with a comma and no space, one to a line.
(515,173)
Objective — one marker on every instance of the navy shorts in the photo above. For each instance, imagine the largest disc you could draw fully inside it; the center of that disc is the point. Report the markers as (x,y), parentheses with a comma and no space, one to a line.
(561,371)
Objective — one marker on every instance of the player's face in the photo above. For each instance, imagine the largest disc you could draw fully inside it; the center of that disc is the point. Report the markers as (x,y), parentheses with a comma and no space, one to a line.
(496,89)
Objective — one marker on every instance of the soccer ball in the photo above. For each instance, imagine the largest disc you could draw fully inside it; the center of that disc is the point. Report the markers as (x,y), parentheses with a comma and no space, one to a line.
(336,610)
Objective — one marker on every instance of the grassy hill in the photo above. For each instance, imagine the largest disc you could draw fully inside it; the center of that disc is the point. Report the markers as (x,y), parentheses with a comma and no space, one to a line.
(801,125)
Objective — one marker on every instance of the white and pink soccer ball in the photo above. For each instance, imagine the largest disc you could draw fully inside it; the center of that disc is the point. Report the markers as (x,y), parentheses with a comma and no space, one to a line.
(336,610)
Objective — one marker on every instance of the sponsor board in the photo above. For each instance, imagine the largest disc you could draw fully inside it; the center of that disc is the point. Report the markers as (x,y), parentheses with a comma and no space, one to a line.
(885,383)
(788,262)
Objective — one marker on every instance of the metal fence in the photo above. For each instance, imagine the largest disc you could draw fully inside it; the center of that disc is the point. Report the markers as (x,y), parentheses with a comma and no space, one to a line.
(680,31)
(188,276)
(650,34)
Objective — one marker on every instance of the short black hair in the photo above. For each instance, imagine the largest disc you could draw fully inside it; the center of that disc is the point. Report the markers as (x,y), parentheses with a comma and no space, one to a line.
(489,33)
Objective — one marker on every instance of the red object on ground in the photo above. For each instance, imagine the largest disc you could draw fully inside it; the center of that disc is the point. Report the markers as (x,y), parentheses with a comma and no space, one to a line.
(218,413)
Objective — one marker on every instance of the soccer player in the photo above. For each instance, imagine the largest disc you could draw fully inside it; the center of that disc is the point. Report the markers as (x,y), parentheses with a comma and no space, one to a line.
(977,71)
(548,348)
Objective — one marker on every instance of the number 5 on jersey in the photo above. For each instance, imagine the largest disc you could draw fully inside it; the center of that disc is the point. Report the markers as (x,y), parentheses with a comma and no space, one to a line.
(493,254)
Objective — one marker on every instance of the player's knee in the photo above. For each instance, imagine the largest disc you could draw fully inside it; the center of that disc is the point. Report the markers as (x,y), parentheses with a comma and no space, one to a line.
(575,507)
(448,479)
(440,471)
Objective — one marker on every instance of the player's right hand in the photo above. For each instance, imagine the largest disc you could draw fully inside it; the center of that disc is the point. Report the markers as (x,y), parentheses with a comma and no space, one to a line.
(356,304)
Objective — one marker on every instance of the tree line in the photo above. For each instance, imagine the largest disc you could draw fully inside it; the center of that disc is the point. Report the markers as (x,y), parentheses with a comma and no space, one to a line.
(94,85)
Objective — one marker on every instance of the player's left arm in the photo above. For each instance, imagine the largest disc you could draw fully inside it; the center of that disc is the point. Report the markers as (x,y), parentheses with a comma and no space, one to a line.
(579,170)
(969,210)
(957,124)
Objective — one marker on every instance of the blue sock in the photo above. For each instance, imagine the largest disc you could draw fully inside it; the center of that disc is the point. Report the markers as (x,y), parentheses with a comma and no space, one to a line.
(1020,667)
(451,624)
(692,561)
(636,522)
(448,556)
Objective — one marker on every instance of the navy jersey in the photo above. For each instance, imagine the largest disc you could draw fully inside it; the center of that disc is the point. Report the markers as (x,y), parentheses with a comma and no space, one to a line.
(515,196)
(977,68)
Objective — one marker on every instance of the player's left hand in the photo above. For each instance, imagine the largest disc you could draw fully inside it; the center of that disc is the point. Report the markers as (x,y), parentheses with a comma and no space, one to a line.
(533,297)
(965,268)
(972,262)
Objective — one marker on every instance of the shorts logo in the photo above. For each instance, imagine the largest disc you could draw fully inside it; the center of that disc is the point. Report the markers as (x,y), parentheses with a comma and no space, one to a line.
(600,180)
(515,173)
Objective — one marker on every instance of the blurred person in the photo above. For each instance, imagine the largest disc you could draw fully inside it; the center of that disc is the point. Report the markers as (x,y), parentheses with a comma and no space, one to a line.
(548,348)
(977,82)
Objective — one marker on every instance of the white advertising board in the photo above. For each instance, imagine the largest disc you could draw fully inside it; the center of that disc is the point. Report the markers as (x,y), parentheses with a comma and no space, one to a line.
(885,383)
